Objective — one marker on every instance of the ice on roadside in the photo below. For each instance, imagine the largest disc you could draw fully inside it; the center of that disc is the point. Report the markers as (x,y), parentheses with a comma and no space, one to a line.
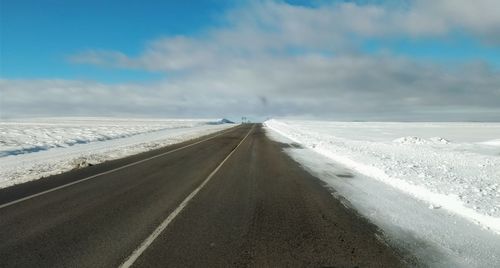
(35,148)
(422,232)
(32,135)
(449,165)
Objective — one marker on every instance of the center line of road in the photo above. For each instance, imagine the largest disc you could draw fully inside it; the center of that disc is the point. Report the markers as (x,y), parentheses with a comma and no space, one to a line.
(109,171)
(146,243)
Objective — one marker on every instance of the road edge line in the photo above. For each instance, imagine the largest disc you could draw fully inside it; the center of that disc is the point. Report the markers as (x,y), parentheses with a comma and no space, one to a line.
(110,171)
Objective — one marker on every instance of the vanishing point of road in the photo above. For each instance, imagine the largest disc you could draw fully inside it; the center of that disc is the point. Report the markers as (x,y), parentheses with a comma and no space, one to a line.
(229,199)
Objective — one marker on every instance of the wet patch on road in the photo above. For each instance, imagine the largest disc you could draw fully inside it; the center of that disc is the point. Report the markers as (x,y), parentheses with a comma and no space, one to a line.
(297,145)
(292,145)
(345,175)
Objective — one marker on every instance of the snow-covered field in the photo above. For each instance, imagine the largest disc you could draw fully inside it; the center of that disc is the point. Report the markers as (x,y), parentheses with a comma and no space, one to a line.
(34,148)
(434,188)
(455,166)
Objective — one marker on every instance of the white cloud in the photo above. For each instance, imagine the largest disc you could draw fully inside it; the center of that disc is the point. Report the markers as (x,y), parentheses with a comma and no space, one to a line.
(272,58)
(349,87)
(275,27)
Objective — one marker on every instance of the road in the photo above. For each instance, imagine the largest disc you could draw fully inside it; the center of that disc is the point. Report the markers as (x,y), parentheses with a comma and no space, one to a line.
(234,200)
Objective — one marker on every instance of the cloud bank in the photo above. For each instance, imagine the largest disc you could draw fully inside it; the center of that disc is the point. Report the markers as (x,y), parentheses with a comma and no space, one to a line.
(275,59)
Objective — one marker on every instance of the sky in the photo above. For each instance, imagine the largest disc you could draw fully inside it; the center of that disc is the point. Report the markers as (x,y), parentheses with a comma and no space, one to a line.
(408,60)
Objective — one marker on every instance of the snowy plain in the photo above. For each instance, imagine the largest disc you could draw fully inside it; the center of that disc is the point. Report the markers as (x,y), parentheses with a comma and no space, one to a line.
(438,217)
(35,148)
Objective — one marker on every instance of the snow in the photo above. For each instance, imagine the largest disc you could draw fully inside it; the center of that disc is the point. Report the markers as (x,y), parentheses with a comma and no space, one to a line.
(456,171)
(417,140)
(492,142)
(35,148)
(427,231)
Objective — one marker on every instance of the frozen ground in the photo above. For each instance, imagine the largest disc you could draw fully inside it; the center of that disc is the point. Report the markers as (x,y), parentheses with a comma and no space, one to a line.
(435,237)
(35,148)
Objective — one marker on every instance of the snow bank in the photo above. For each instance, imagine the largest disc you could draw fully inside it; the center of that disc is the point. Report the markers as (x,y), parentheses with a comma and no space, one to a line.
(35,148)
(32,135)
(422,236)
(448,165)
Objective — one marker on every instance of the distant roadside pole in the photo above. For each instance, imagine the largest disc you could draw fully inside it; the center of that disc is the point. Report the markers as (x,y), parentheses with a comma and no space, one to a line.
(245,120)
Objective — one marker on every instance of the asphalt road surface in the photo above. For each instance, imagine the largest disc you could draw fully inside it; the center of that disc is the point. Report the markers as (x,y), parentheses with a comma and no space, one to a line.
(234,200)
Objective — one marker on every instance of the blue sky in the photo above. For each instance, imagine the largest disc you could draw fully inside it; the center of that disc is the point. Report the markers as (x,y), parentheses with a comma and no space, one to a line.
(251,57)
(37,36)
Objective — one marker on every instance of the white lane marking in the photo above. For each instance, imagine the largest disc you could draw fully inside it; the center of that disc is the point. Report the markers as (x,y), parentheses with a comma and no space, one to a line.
(146,243)
(109,171)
